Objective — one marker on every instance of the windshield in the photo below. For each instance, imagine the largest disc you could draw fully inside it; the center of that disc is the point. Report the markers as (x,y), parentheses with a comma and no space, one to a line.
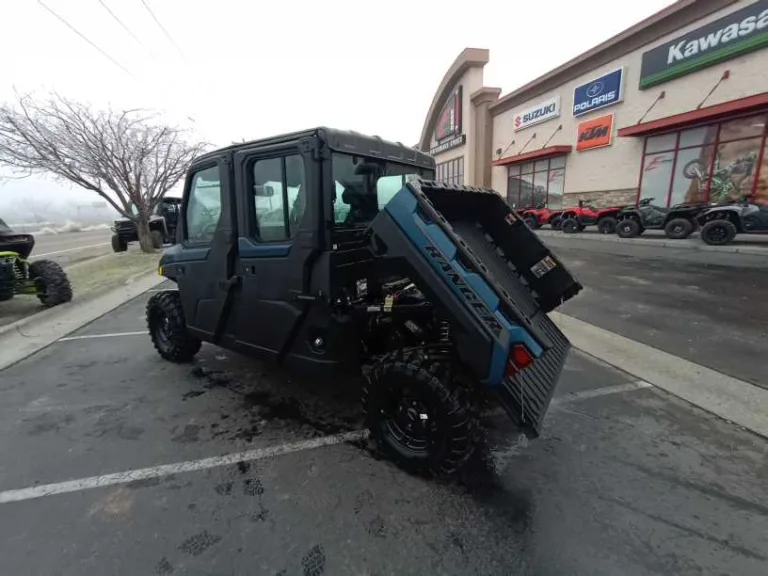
(365,185)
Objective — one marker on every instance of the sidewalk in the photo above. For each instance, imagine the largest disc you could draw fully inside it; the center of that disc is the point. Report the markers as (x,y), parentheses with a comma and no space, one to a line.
(755,245)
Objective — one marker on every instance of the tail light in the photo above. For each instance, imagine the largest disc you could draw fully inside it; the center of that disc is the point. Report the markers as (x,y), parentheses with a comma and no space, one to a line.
(519,359)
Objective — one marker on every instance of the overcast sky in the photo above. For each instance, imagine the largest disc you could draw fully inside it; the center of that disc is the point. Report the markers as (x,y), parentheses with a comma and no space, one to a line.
(249,69)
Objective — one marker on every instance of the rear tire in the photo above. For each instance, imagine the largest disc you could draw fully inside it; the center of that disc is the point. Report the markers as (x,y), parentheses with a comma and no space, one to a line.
(629,228)
(678,228)
(157,239)
(53,287)
(415,416)
(571,226)
(556,223)
(718,232)
(607,225)
(118,245)
(7,280)
(168,329)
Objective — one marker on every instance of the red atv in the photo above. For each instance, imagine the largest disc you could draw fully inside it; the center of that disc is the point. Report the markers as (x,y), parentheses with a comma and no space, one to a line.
(541,215)
(577,218)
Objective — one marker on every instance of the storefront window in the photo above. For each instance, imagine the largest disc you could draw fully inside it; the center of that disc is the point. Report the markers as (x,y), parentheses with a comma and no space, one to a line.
(450,172)
(657,173)
(712,163)
(536,184)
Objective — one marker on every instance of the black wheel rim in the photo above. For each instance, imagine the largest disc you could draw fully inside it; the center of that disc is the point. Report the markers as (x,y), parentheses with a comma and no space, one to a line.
(407,421)
(718,233)
(161,326)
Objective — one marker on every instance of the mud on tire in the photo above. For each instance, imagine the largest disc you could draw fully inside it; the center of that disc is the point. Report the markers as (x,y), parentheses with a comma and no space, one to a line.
(407,388)
(168,329)
(53,287)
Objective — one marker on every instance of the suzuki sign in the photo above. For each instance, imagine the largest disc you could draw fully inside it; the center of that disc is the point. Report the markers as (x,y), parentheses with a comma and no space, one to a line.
(738,33)
(541,112)
(599,93)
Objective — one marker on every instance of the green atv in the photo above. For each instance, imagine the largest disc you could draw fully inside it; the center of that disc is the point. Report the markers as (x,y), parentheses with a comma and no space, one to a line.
(43,278)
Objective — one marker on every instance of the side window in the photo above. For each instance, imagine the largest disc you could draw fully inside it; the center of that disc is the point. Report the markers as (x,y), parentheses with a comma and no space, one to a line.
(279,197)
(204,205)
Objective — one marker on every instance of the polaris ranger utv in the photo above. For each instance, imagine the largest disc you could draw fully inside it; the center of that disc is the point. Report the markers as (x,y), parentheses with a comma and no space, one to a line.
(335,251)
(162,226)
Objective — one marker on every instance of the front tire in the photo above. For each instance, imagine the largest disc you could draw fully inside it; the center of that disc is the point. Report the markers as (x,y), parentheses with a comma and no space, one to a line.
(629,228)
(607,225)
(718,232)
(53,287)
(678,228)
(415,416)
(571,226)
(168,329)
(531,222)
(118,245)
(157,239)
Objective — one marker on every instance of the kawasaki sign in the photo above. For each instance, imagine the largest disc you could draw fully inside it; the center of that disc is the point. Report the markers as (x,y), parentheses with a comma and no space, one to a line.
(740,32)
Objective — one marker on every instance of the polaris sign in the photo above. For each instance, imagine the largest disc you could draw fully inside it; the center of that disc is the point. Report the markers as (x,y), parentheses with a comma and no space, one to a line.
(738,33)
(599,93)
(541,112)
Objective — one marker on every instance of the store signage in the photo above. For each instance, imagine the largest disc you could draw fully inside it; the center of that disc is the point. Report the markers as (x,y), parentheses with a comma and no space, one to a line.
(541,112)
(599,93)
(594,133)
(740,32)
(447,145)
(449,121)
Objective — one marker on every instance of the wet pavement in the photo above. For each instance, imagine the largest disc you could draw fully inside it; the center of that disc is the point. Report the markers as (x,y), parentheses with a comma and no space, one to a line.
(709,308)
(624,480)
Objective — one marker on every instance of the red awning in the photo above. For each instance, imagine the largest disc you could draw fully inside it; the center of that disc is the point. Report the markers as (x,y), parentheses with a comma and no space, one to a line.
(700,116)
(534,155)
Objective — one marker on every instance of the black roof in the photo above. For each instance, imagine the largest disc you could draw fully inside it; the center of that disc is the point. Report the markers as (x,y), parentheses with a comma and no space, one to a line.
(342,141)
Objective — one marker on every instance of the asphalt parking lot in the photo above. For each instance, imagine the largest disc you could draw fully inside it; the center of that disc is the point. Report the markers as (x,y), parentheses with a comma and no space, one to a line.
(113,461)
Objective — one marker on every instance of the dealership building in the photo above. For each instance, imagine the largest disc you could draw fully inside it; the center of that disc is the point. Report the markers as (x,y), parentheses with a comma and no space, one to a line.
(674,108)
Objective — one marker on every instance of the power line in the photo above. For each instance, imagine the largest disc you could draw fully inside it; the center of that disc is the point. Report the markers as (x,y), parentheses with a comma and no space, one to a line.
(76,31)
(132,35)
(167,35)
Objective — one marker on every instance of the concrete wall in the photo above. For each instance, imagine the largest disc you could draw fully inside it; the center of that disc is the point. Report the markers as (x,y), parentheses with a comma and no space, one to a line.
(615,169)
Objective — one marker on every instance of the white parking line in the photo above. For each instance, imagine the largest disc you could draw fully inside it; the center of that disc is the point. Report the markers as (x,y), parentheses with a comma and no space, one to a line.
(178,468)
(597,392)
(113,335)
(249,456)
(71,250)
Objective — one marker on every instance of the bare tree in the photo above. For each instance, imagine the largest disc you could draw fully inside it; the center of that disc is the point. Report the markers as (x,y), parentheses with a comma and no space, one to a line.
(129,158)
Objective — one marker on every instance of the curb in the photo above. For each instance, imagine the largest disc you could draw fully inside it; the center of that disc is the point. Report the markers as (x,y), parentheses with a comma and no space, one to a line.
(679,244)
(734,400)
(33,333)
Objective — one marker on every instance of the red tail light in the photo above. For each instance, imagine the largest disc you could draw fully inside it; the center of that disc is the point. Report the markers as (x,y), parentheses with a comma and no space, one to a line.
(519,358)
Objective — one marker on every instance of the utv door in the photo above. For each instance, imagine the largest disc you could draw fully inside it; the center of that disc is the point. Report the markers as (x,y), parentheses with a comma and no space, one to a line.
(276,246)
(207,255)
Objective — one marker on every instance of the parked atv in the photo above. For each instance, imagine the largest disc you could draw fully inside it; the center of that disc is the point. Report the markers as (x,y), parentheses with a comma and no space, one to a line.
(576,219)
(678,221)
(162,226)
(721,224)
(438,293)
(540,216)
(43,278)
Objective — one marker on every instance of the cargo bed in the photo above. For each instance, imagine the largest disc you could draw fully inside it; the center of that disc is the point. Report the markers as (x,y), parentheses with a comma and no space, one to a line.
(478,261)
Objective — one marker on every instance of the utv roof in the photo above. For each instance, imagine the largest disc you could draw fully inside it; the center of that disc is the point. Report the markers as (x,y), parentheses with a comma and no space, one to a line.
(341,141)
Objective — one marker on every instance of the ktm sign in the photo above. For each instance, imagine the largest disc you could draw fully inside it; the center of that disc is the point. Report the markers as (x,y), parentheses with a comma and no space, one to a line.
(594,133)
